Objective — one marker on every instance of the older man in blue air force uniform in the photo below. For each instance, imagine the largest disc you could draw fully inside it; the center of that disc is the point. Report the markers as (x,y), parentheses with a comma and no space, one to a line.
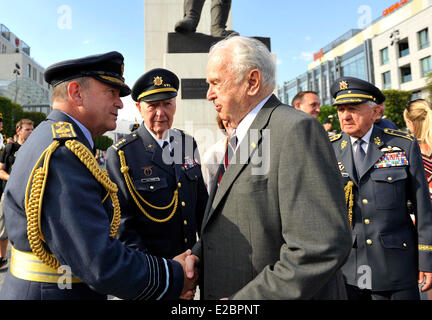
(161,190)
(57,200)
(382,169)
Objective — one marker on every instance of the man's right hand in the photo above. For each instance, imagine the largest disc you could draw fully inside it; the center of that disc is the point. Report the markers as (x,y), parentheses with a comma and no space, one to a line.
(189,263)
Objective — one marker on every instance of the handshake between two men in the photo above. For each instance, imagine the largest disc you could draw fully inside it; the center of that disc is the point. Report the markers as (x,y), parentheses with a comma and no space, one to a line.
(189,262)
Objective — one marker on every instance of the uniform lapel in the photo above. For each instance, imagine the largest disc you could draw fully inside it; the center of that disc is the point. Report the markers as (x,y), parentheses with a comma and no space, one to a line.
(244,152)
(374,153)
(151,145)
(346,156)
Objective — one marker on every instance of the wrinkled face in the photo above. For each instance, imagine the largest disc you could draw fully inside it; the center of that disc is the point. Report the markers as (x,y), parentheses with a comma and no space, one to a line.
(357,119)
(158,115)
(228,96)
(309,104)
(101,103)
(25,131)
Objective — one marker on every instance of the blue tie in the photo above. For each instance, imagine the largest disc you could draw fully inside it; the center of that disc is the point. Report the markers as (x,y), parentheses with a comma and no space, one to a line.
(359,155)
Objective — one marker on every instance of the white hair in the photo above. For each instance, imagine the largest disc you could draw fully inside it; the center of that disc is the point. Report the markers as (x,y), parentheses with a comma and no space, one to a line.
(248,53)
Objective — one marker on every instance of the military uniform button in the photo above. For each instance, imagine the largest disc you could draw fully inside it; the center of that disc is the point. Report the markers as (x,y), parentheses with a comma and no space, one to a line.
(369,241)
(365,201)
(185,222)
(183,204)
(186,240)
(389,178)
(404,245)
(366,221)
(179,184)
(151,187)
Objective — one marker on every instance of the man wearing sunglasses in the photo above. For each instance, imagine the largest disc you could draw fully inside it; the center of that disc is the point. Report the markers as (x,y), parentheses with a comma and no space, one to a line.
(382,169)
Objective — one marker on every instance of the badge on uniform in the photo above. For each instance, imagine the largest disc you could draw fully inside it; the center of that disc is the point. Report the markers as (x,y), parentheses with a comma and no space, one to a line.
(392,159)
(189,163)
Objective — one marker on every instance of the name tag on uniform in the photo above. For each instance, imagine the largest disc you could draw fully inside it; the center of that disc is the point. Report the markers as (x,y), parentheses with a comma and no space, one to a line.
(150,180)
(393,159)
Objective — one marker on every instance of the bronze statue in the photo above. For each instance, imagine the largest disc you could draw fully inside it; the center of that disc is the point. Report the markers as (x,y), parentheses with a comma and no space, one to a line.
(219,15)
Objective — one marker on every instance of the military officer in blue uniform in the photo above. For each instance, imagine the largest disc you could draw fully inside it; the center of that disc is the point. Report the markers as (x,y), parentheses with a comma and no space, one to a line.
(382,169)
(161,189)
(63,238)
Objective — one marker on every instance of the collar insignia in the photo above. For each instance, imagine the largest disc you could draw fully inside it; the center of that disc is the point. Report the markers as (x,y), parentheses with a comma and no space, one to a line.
(344,144)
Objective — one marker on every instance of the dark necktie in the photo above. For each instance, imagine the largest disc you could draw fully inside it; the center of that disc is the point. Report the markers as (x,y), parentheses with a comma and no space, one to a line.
(229,153)
(359,155)
(166,144)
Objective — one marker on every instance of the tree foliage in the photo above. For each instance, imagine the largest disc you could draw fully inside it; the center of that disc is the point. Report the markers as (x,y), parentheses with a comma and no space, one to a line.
(325,112)
(13,112)
(395,103)
(103,143)
(429,86)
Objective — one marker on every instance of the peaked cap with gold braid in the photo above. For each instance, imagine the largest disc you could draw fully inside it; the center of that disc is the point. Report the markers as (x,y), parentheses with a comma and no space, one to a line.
(155,85)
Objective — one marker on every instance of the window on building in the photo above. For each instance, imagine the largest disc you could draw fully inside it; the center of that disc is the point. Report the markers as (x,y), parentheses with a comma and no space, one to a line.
(386,77)
(426,66)
(384,56)
(423,38)
(41,78)
(34,74)
(405,72)
(29,70)
(403,48)
(355,67)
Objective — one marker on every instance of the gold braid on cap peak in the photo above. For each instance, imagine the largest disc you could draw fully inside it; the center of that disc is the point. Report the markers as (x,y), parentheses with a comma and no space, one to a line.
(37,183)
(349,200)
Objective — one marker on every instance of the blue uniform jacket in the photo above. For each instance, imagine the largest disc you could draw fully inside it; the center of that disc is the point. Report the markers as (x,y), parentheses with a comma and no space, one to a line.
(384,236)
(155,177)
(76,226)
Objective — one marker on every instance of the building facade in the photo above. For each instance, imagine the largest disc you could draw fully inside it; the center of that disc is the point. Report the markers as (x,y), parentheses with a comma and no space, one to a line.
(21,78)
(393,52)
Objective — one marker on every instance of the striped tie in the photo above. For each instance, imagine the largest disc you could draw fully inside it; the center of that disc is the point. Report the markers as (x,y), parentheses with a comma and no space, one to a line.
(229,153)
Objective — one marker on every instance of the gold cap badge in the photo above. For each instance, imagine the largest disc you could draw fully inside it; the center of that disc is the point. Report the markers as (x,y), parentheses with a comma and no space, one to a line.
(343,85)
(157,81)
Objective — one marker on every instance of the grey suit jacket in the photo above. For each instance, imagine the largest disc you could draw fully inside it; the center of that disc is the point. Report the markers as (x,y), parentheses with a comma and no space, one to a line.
(276,227)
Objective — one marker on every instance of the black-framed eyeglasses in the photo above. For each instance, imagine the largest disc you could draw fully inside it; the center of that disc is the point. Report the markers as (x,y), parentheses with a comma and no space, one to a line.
(412,101)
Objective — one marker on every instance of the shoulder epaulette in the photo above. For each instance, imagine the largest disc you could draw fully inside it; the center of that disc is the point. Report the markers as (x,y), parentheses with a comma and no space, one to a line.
(128,139)
(335,138)
(63,131)
(398,133)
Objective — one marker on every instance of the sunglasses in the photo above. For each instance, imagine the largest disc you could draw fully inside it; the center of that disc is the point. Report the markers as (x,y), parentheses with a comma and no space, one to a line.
(412,101)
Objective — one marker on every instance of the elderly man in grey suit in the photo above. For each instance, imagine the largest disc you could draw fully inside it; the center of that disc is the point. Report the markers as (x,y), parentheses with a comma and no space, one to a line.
(276,225)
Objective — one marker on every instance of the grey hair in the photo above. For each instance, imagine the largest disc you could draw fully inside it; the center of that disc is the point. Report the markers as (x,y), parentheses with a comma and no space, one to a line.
(248,53)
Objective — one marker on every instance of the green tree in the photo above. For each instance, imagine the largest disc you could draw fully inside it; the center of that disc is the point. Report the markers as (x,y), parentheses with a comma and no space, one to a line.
(395,103)
(325,112)
(429,86)
(12,112)
(103,143)
(37,117)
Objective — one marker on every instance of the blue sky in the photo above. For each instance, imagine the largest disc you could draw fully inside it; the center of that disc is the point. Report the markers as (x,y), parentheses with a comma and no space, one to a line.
(297,28)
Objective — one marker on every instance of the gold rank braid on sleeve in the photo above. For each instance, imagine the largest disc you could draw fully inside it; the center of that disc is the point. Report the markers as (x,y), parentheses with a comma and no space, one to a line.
(349,199)
(135,194)
(37,183)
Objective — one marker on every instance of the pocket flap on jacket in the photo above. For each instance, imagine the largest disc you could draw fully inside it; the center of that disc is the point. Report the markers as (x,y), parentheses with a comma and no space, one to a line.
(396,240)
(389,175)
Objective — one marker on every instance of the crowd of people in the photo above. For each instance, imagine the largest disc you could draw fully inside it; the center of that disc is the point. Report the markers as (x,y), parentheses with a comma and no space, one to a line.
(282,208)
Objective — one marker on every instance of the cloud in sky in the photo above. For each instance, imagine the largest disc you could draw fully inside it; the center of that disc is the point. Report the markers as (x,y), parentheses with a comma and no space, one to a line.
(306,56)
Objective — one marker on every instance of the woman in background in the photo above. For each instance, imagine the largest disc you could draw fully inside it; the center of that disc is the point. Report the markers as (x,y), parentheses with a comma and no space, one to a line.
(418,118)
